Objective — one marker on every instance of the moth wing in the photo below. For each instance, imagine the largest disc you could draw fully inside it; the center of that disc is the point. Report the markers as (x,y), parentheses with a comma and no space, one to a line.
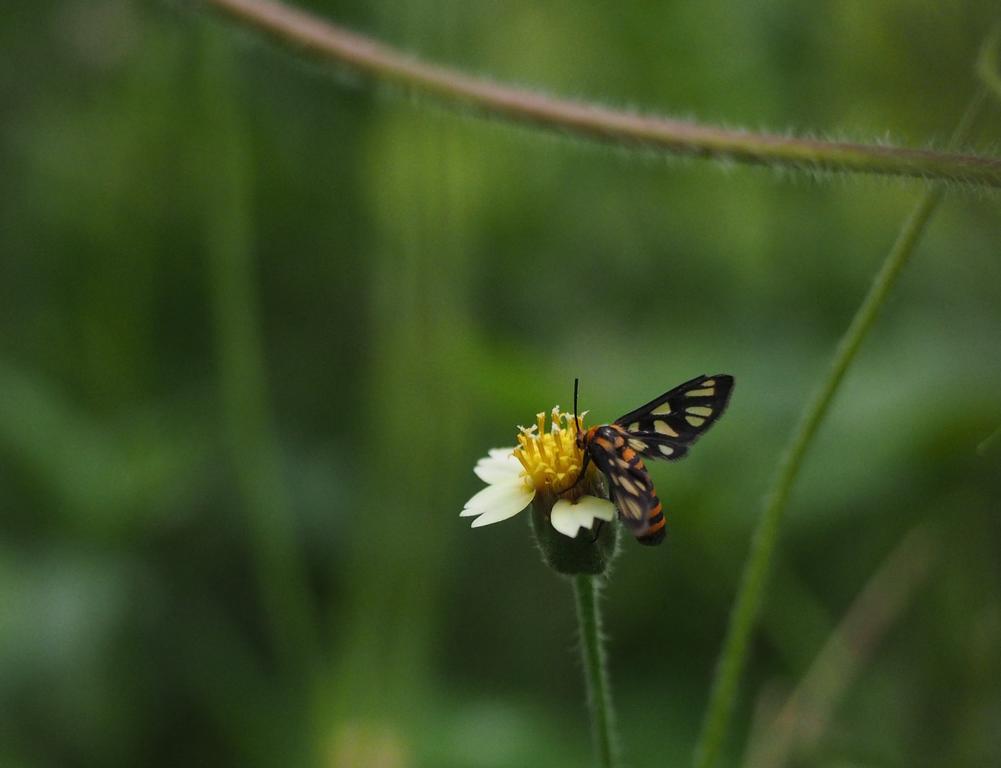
(654,445)
(634,509)
(631,486)
(665,427)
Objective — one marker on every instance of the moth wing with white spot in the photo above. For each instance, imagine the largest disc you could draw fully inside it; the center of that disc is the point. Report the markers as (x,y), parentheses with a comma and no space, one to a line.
(665,427)
(634,509)
(631,487)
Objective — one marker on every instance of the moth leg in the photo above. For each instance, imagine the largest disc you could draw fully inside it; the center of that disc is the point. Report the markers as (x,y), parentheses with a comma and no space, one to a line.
(597,531)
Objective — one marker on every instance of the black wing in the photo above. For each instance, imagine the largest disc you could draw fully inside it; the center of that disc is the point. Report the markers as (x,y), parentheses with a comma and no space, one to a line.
(632,489)
(665,427)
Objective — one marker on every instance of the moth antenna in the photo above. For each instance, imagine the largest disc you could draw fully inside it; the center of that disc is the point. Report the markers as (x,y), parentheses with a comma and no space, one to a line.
(576,418)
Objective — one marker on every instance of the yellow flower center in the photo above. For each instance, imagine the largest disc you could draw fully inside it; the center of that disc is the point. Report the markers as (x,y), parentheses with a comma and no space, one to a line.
(551,460)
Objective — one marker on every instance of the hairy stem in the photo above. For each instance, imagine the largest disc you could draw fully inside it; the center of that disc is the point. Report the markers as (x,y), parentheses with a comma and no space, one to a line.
(364,55)
(592,653)
(758,565)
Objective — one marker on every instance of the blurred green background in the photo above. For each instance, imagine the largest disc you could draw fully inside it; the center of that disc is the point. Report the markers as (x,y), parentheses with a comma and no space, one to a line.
(259,320)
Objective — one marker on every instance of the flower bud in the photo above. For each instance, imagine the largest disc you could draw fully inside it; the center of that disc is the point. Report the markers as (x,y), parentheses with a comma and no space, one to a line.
(592,550)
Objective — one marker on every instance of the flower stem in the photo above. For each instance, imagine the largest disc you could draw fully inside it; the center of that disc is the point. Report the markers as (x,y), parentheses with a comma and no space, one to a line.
(758,565)
(592,651)
(317,37)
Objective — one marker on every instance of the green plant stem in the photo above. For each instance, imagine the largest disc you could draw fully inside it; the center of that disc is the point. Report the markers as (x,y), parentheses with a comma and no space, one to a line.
(592,651)
(804,717)
(320,38)
(243,387)
(758,565)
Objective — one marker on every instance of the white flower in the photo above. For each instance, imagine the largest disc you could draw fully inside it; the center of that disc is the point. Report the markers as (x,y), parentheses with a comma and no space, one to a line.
(542,462)
(506,493)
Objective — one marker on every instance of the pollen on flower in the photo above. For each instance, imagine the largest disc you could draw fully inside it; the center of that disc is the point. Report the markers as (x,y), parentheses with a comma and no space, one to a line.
(551,460)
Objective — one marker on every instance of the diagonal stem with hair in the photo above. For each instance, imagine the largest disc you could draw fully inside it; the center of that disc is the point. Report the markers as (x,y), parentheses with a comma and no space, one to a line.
(758,565)
(322,39)
(592,651)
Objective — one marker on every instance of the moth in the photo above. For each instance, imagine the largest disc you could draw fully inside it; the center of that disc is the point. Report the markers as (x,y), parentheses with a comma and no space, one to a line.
(664,428)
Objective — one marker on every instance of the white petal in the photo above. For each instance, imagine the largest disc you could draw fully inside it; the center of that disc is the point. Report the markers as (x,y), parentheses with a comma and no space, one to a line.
(500,453)
(491,470)
(569,518)
(591,508)
(487,497)
(516,499)
(564,519)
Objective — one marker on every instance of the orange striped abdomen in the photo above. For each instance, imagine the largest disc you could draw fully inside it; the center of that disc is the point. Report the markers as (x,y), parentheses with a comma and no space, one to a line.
(655,533)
